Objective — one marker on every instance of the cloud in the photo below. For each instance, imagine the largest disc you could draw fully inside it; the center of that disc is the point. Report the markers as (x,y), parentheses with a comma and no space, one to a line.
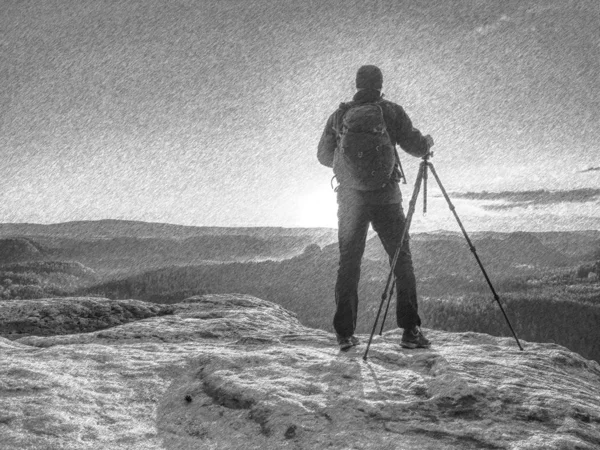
(589,169)
(489,28)
(515,199)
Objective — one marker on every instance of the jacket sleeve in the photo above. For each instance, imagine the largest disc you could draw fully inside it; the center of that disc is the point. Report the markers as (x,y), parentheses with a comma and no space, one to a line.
(409,138)
(327,144)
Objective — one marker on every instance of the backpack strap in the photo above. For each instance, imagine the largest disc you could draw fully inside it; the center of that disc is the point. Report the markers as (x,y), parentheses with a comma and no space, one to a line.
(343,108)
(381,102)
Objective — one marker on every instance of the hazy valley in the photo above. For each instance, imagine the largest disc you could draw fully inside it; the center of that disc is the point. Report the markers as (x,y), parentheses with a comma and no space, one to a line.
(547,281)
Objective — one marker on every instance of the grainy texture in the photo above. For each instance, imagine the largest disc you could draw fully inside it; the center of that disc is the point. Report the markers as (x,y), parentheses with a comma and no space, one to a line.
(209,112)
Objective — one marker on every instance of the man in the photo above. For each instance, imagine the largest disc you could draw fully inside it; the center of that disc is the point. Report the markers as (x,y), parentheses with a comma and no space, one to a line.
(362,202)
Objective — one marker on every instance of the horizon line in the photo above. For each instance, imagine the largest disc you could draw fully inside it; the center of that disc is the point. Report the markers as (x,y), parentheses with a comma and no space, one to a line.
(141,222)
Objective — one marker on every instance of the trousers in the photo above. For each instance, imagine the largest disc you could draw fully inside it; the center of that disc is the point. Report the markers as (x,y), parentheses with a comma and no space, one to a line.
(353,224)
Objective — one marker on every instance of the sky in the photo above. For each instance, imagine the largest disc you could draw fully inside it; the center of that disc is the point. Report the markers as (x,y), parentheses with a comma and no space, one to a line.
(208,113)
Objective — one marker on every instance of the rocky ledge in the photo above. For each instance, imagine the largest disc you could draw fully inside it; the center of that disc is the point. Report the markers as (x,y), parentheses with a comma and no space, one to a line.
(47,317)
(237,372)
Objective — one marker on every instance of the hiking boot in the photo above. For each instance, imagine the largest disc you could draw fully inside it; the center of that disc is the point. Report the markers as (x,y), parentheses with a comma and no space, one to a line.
(347,342)
(413,338)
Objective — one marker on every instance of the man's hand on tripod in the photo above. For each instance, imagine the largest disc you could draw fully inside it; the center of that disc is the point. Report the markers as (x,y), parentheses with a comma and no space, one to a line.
(429,141)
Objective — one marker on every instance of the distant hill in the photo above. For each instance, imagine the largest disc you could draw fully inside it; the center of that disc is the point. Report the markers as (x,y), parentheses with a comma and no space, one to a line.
(114,246)
(581,244)
(43,279)
(18,249)
(126,228)
(443,263)
(500,252)
(133,254)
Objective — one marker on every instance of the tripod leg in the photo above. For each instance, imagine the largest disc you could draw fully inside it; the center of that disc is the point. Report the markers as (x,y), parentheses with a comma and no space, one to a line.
(411,210)
(387,308)
(425,192)
(472,247)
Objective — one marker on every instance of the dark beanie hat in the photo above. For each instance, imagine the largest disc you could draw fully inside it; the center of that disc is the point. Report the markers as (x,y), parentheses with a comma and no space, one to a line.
(369,77)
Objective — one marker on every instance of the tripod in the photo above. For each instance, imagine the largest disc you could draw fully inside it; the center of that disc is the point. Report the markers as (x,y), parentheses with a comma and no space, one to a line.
(422,178)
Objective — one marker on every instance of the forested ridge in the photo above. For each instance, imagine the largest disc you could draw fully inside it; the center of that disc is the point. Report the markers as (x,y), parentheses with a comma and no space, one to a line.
(556,305)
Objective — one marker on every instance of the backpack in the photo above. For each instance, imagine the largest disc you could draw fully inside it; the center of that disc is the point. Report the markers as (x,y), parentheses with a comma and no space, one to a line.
(365,156)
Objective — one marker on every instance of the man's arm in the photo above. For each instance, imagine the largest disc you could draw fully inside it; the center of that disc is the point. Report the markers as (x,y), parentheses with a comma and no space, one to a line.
(327,144)
(409,138)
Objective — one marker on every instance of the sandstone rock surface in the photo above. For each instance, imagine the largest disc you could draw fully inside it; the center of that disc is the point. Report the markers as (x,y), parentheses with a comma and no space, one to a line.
(236,372)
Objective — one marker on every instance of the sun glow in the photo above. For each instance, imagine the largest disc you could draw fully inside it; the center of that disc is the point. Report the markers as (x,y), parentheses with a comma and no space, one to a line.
(317,209)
